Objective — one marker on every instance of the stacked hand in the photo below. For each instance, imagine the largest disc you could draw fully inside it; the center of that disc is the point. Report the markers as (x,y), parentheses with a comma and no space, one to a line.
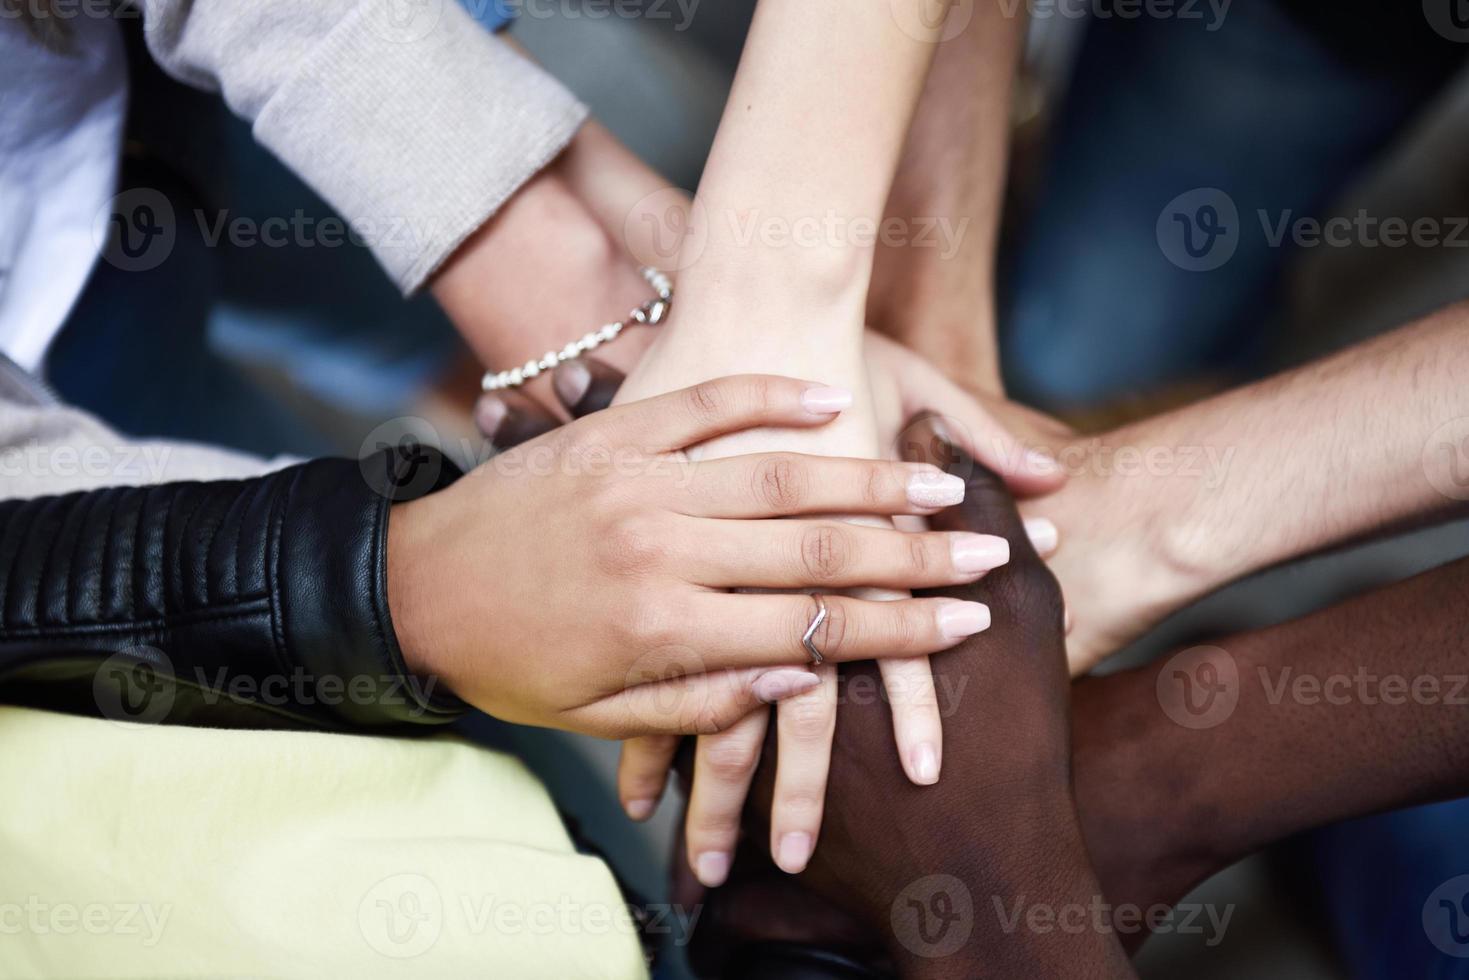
(645,545)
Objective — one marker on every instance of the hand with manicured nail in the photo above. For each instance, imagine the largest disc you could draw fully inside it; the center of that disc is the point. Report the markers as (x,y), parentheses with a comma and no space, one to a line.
(618,617)
(1001,829)
(585,386)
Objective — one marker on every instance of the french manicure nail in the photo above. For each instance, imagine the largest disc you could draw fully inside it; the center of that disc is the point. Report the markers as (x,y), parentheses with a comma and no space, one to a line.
(639,809)
(489,412)
(711,868)
(960,618)
(1043,535)
(793,853)
(934,488)
(925,764)
(825,400)
(776,685)
(977,552)
(571,382)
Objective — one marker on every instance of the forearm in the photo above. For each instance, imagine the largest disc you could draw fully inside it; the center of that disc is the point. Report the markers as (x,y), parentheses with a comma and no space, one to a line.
(802,165)
(254,602)
(1335,450)
(933,280)
(548,267)
(1355,709)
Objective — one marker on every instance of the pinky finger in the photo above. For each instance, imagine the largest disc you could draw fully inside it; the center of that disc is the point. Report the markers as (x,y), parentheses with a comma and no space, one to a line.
(642,773)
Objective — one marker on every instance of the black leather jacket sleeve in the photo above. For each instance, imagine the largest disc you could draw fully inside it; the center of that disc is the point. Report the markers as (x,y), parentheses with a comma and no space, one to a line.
(259,602)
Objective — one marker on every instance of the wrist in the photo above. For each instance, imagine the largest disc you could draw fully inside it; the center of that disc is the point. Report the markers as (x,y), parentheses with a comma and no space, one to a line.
(410,593)
(540,273)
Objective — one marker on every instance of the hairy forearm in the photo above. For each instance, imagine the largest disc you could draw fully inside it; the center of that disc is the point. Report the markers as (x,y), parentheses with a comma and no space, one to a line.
(1183,503)
(1355,709)
(933,279)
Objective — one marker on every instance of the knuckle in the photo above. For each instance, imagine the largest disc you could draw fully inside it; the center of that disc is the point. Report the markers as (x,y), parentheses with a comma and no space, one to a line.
(826,552)
(806,721)
(730,759)
(834,635)
(780,484)
(647,624)
(910,625)
(799,806)
(875,490)
(705,402)
(919,556)
(630,546)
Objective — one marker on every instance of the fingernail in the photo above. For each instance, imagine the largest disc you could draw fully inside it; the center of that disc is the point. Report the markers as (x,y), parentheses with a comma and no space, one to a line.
(793,853)
(776,685)
(959,618)
(1043,535)
(935,488)
(1040,461)
(925,764)
(1066,619)
(489,412)
(977,552)
(639,809)
(571,382)
(712,868)
(826,401)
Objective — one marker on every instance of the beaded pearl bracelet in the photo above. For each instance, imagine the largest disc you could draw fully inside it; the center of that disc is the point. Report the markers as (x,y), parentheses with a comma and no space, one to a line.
(651,313)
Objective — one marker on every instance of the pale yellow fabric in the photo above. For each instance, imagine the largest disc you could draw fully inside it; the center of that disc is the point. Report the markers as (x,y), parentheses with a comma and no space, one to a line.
(137,851)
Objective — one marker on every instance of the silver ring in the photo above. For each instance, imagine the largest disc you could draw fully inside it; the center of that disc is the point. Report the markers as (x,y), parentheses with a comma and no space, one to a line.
(820,618)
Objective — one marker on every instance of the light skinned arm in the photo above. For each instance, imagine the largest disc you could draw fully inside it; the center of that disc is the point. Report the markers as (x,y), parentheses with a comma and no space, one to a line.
(771,273)
(1164,511)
